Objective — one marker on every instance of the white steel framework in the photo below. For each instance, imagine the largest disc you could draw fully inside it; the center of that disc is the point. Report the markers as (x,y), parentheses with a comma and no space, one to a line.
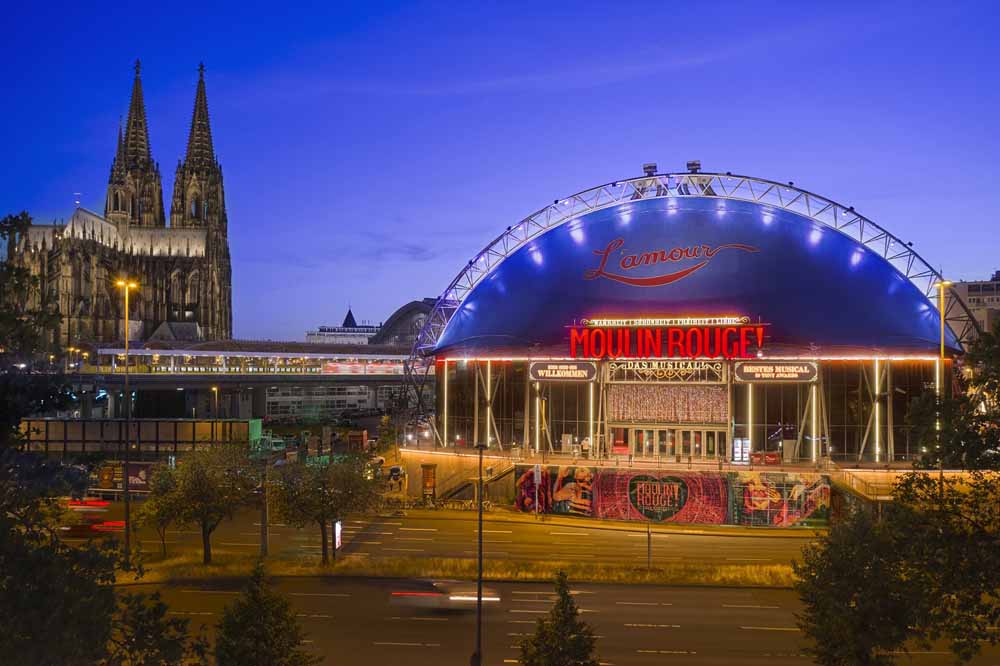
(727,186)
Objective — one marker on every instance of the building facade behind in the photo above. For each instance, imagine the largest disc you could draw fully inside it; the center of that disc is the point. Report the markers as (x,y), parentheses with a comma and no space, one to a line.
(982,297)
(183,271)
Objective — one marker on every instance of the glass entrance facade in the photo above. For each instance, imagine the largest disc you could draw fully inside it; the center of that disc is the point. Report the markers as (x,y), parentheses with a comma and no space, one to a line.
(680,443)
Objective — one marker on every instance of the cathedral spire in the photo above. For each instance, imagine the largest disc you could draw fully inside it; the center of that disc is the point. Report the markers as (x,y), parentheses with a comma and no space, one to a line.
(136,131)
(200,151)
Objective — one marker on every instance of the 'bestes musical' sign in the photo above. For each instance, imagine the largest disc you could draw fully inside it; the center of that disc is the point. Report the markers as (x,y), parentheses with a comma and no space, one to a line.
(666,342)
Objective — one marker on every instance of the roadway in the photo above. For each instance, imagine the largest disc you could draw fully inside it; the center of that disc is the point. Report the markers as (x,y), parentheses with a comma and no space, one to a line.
(355,621)
(452,534)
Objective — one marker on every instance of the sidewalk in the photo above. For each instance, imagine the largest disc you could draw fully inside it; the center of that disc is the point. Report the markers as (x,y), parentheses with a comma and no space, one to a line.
(506,515)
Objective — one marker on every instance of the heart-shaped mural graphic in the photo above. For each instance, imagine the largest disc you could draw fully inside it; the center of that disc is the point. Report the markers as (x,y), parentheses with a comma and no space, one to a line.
(657,498)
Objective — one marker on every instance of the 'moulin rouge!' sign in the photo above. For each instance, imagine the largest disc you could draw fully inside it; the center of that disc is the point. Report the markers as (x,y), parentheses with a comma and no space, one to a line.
(739,341)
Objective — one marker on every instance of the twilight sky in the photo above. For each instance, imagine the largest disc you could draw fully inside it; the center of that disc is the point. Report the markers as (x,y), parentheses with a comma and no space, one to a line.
(370,149)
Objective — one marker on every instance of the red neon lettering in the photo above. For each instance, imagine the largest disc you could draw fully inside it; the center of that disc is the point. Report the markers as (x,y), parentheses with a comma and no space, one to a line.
(675,342)
(580,337)
(744,341)
(653,341)
(595,350)
(728,345)
(694,342)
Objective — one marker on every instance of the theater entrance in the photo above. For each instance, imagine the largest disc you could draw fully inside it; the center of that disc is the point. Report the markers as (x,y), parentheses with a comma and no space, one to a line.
(679,443)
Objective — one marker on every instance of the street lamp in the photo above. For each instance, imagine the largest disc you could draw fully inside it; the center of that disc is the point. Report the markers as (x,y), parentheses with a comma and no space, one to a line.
(477,656)
(126,286)
(939,379)
(215,394)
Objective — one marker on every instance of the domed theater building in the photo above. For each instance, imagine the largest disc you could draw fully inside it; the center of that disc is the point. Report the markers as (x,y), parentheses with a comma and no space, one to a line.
(691,318)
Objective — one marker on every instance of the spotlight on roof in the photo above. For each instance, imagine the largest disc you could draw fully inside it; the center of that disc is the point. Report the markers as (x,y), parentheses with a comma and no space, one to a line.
(694,166)
(649,168)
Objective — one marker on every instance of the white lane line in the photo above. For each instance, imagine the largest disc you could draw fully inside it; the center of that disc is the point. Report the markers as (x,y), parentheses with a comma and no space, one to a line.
(518,610)
(313,615)
(371,543)
(770,628)
(272,525)
(421,619)
(747,606)
(407,644)
(407,550)
(534,601)
(569,533)
(533,592)
(494,531)
(396,524)
(643,536)
(414,539)
(643,603)
(210,591)
(635,625)
(317,594)
(666,652)
(239,545)
(748,559)
(189,613)
(418,529)
(520,622)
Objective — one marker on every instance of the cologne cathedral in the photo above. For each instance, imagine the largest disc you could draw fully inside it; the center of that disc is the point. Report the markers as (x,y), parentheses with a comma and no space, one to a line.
(182,270)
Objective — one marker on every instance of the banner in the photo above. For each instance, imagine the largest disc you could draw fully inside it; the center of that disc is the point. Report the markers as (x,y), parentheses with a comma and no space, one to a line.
(771,499)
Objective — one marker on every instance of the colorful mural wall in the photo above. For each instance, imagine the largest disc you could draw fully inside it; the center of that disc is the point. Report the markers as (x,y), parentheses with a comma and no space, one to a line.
(766,499)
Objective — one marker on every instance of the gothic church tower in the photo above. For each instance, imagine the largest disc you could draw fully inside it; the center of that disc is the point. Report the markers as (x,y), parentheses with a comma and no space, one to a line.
(135,194)
(199,203)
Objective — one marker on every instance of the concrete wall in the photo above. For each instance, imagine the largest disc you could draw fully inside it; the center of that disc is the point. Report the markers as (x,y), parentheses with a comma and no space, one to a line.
(454,469)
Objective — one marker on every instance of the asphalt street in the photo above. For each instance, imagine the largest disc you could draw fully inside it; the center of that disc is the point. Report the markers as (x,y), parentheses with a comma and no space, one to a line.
(360,621)
(452,534)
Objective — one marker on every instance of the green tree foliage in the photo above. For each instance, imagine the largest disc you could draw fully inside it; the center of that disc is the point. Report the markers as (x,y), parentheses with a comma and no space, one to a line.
(948,530)
(561,639)
(322,494)
(858,601)
(260,629)
(210,486)
(163,506)
(143,635)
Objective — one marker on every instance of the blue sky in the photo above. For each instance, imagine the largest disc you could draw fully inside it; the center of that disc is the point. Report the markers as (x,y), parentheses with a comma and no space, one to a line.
(370,149)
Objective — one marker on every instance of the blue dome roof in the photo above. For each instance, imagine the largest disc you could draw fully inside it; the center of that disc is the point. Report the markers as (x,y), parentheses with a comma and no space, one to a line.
(816,288)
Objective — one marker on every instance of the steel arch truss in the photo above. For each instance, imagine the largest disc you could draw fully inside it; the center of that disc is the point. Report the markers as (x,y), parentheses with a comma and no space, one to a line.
(678,186)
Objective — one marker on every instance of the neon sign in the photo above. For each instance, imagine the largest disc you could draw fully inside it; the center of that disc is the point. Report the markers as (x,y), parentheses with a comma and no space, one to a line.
(666,342)
(702,253)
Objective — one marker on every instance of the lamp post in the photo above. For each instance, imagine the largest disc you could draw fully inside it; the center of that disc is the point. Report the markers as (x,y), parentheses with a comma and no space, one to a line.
(477,656)
(939,381)
(215,394)
(126,286)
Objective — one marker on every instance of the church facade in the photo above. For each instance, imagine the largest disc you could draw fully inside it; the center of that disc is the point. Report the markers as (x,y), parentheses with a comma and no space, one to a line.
(182,270)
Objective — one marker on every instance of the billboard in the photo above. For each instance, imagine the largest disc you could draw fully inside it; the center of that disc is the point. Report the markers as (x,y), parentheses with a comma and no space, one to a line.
(759,499)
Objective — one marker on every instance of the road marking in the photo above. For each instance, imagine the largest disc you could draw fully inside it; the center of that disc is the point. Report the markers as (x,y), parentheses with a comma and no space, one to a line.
(406,550)
(494,531)
(414,539)
(418,529)
(533,592)
(210,591)
(517,610)
(634,625)
(569,533)
(520,621)
(421,619)
(240,545)
(535,601)
(666,652)
(643,536)
(642,603)
(396,524)
(407,644)
(748,559)
(371,543)
(313,615)
(770,628)
(747,606)
(189,613)
(318,594)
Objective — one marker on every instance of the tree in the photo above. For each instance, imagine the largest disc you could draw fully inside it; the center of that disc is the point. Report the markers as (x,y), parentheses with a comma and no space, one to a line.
(260,629)
(858,602)
(323,494)
(211,485)
(561,639)
(949,534)
(143,635)
(162,507)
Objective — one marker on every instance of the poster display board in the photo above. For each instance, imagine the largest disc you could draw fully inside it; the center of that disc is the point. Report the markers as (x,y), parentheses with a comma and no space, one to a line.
(771,499)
